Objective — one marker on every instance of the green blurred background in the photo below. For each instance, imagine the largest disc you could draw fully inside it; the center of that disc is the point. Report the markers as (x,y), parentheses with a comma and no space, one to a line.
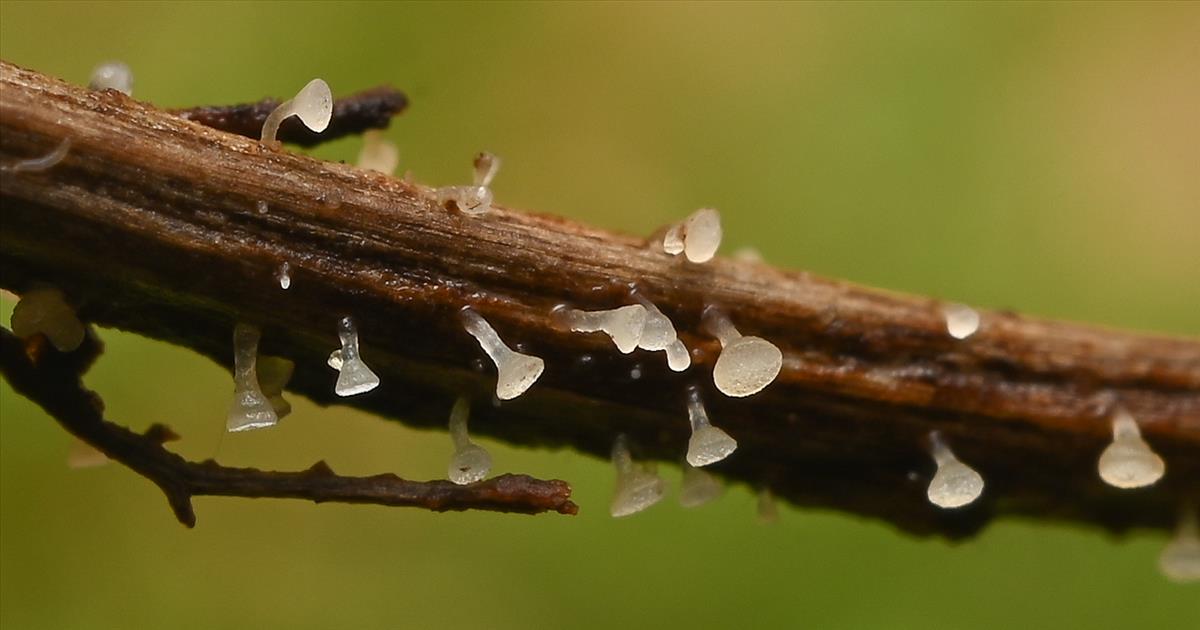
(1036,157)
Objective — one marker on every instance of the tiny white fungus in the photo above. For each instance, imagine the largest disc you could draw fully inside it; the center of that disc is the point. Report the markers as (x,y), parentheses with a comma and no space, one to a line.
(516,371)
(475,199)
(470,462)
(273,375)
(698,487)
(961,320)
(285,275)
(313,105)
(768,508)
(697,237)
(261,206)
(638,486)
(354,377)
(1180,559)
(954,484)
(84,455)
(746,364)
(378,153)
(659,334)
(624,325)
(250,409)
(42,163)
(335,360)
(112,75)
(46,311)
(678,357)
(673,239)
(708,444)
(1128,461)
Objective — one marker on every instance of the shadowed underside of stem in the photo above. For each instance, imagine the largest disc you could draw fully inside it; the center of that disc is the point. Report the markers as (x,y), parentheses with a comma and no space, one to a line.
(151,225)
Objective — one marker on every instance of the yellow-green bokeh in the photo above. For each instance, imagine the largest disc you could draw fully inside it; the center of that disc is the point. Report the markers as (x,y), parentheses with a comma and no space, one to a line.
(1036,157)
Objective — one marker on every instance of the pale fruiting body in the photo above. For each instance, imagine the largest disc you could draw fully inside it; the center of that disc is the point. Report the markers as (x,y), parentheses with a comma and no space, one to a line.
(698,487)
(708,444)
(955,484)
(378,153)
(313,105)
(747,364)
(112,75)
(46,311)
(516,372)
(354,377)
(638,486)
(962,321)
(624,325)
(1128,462)
(250,408)
(470,462)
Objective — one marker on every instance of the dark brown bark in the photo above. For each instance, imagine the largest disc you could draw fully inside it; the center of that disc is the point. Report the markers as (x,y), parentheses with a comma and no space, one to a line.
(150,225)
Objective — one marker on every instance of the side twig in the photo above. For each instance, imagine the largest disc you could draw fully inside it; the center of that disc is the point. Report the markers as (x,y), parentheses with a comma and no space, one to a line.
(53,381)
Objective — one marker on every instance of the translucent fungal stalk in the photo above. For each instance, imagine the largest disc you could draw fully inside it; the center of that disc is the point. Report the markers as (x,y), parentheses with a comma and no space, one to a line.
(46,311)
(1180,559)
(112,75)
(42,163)
(354,377)
(768,507)
(250,409)
(84,455)
(659,334)
(961,320)
(954,484)
(708,444)
(285,275)
(313,105)
(516,371)
(1128,461)
(378,153)
(697,237)
(746,364)
(624,325)
(475,199)
(470,463)
(698,487)
(273,375)
(638,486)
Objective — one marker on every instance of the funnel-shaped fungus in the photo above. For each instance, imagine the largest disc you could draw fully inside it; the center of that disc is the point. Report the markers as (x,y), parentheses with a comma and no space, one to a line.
(285,275)
(1180,559)
(638,486)
(1128,461)
(624,325)
(659,334)
(313,105)
(768,508)
(516,371)
(708,444)
(112,75)
(746,364)
(250,409)
(697,236)
(46,311)
(378,153)
(961,320)
(954,484)
(698,487)
(475,199)
(470,463)
(354,377)
(273,375)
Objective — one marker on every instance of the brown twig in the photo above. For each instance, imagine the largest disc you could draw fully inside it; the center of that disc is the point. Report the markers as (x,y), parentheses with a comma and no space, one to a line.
(354,114)
(53,381)
(150,225)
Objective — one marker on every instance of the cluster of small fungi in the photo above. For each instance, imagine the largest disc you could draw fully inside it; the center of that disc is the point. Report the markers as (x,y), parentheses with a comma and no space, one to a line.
(745,366)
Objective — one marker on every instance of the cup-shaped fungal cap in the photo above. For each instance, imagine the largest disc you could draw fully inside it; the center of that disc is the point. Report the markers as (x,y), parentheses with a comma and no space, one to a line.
(624,325)
(961,320)
(335,359)
(486,167)
(84,455)
(673,239)
(516,371)
(954,484)
(250,408)
(470,200)
(708,444)
(702,235)
(470,462)
(112,75)
(638,486)
(698,487)
(1128,461)
(768,508)
(1180,559)
(313,105)
(46,311)
(746,365)
(273,375)
(354,377)
(378,153)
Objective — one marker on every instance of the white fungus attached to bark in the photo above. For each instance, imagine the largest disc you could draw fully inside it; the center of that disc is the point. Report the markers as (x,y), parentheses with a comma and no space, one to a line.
(313,105)
(624,325)
(961,320)
(954,484)
(354,377)
(285,275)
(697,237)
(470,462)
(41,163)
(112,75)
(708,444)
(638,485)
(516,371)
(46,311)
(335,360)
(378,153)
(250,409)
(1180,559)
(1128,461)
(698,487)
(475,199)
(746,364)
(659,334)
